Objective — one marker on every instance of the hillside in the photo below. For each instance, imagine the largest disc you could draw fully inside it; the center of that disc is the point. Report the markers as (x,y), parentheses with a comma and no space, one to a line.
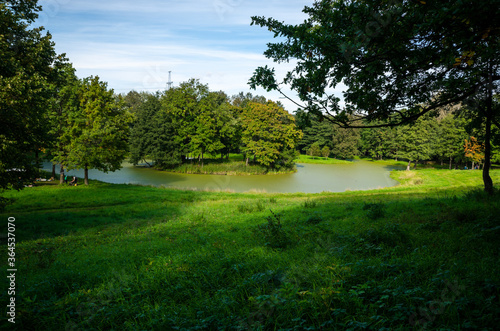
(422,254)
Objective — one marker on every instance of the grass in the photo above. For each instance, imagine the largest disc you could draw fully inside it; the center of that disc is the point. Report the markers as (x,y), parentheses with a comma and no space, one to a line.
(423,254)
(235,165)
(319,160)
(224,167)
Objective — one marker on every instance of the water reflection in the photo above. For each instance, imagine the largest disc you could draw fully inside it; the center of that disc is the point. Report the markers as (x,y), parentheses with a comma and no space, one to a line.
(309,178)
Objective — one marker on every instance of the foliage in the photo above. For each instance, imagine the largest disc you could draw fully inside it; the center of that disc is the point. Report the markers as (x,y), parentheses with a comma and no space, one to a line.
(342,143)
(152,135)
(96,133)
(451,131)
(325,151)
(270,134)
(274,235)
(190,122)
(474,150)
(314,150)
(414,142)
(27,61)
(397,60)
(374,210)
(379,143)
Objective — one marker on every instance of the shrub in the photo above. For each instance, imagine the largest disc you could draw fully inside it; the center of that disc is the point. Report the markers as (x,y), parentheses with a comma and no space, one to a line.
(309,203)
(250,207)
(374,210)
(274,234)
(315,218)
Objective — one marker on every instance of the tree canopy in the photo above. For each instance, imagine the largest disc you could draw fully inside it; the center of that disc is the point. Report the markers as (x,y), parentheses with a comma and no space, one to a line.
(398,60)
(27,60)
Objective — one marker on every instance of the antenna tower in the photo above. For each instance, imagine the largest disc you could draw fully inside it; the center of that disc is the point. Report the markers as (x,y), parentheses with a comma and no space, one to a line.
(169,83)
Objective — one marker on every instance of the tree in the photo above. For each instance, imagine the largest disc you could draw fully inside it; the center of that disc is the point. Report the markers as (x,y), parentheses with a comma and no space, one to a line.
(451,135)
(96,133)
(151,135)
(315,150)
(345,142)
(474,151)
(316,132)
(398,60)
(26,70)
(183,106)
(414,142)
(64,101)
(325,152)
(379,143)
(209,125)
(270,134)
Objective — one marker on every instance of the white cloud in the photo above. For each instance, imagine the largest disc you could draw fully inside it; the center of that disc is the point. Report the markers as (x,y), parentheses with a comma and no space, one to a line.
(134,46)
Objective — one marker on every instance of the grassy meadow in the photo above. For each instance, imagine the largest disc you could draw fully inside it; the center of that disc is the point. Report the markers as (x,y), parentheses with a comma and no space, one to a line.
(424,254)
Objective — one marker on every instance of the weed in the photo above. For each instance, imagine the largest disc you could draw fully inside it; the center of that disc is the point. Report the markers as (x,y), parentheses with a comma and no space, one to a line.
(374,210)
(390,235)
(273,233)
(310,203)
(250,207)
(315,218)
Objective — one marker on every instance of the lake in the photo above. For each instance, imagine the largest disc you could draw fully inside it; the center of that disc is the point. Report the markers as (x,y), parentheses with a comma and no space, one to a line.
(309,178)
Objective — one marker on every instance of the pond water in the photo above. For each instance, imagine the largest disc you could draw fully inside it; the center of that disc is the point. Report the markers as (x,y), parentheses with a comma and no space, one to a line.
(309,178)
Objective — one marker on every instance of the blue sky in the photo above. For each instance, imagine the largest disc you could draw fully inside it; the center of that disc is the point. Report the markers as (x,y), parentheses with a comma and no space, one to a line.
(133,45)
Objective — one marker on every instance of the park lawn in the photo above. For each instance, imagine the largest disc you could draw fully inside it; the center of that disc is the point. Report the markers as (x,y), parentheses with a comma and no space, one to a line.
(107,256)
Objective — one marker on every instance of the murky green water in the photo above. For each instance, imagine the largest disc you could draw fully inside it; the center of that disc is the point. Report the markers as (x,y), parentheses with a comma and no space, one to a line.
(310,178)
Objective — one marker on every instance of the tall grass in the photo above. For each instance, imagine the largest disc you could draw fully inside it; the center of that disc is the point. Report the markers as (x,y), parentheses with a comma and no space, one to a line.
(219,167)
(132,257)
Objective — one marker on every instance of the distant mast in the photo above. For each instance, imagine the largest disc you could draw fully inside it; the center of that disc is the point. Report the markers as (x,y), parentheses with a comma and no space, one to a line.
(169,83)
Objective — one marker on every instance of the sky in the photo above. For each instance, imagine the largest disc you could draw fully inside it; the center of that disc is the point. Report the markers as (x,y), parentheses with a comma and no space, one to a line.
(133,45)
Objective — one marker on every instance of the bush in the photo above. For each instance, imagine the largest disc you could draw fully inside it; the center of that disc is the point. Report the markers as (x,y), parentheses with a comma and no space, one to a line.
(273,232)
(374,210)
(250,207)
(309,203)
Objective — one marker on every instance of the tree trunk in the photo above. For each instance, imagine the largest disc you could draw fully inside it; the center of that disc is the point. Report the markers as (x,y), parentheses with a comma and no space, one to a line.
(53,171)
(416,162)
(86,180)
(488,183)
(472,168)
(246,164)
(408,166)
(450,161)
(61,175)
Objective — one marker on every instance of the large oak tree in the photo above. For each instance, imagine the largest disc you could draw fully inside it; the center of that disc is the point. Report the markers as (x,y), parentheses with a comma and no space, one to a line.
(397,59)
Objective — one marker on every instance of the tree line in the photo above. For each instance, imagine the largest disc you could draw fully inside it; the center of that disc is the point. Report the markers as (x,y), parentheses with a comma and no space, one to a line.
(447,136)
(395,61)
(190,121)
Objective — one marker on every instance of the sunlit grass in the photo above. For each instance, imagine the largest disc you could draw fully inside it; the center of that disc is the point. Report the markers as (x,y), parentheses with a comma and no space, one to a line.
(136,257)
(319,160)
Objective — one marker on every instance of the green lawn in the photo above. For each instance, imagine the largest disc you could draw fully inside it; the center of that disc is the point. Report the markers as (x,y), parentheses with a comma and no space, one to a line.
(124,257)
